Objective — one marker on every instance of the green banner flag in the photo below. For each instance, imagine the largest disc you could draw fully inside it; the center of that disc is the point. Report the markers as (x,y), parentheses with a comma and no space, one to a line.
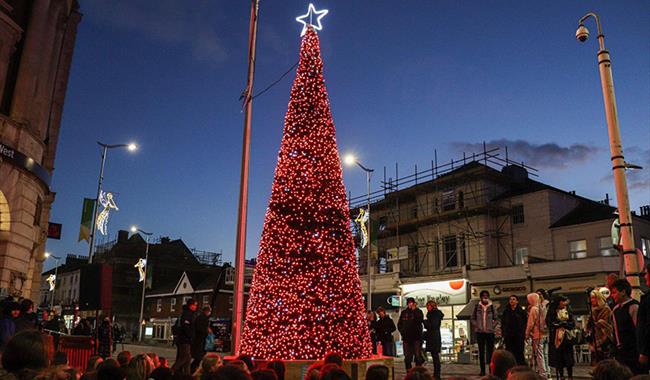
(86,219)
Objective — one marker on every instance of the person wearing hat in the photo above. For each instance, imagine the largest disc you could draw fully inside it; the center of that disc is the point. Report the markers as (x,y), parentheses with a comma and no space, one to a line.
(184,338)
(410,327)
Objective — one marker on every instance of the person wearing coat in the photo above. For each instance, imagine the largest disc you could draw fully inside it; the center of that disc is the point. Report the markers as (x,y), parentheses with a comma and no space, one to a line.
(201,326)
(484,319)
(560,322)
(600,328)
(536,331)
(410,327)
(184,336)
(384,328)
(432,335)
(371,317)
(643,324)
(105,338)
(513,329)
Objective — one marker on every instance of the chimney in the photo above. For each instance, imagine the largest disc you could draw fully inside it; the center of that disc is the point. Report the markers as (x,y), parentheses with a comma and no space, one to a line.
(645,210)
(165,240)
(122,236)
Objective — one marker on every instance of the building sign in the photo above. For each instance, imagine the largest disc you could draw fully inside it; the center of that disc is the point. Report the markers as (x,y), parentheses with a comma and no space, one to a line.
(15,158)
(445,293)
(54,231)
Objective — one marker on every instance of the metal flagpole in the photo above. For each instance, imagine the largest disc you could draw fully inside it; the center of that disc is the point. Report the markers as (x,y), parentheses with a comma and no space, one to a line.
(240,253)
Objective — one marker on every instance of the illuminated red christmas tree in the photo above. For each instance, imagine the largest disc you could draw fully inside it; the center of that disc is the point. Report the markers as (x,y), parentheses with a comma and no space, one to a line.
(305,299)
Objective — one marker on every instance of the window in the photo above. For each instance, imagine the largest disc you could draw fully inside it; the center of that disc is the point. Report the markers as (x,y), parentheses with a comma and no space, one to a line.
(159,305)
(448,200)
(451,259)
(517,214)
(383,222)
(461,200)
(38,211)
(606,247)
(230,303)
(172,304)
(414,212)
(578,249)
(230,275)
(521,255)
(185,299)
(645,246)
(206,300)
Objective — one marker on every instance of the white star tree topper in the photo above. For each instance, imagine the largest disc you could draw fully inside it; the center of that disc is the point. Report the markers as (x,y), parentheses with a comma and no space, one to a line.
(311,11)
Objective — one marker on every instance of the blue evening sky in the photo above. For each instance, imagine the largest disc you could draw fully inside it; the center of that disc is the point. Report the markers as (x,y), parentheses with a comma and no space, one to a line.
(404,78)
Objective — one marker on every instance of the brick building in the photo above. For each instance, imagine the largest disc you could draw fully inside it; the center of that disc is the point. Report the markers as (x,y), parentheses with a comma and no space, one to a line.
(37,39)
(486,224)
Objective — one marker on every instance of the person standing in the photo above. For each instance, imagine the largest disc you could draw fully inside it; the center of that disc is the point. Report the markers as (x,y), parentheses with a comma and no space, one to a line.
(643,325)
(371,318)
(432,335)
(535,331)
(201,326)
(184,333)
(11,313)
(513,329)
(600,327)
(28,319)
(609,281)
(384,328)
(484,319)
(625,321)
(561,323)
(105,337)
(544,300)
(410,327)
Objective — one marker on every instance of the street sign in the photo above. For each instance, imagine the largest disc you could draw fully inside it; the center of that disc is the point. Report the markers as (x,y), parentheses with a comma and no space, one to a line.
(54,231)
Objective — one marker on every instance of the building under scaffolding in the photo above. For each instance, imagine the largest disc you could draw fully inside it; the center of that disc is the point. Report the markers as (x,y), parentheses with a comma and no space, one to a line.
(446,218)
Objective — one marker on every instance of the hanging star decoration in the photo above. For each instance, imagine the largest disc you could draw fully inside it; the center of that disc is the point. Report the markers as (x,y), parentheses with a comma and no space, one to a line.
(361,220)
(51,280)
(107,201)
(306,19)
(141,265)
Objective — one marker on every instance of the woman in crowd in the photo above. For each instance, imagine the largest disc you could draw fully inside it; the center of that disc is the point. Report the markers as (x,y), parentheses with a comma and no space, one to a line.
(371,317)
(209,364)
(139,368)
(600,328)
(104,336)
(560,324)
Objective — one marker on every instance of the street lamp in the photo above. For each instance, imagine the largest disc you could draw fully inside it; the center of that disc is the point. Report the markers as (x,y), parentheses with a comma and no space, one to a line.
(131,147)
(135,229)
(56,272)
(350,160)
(618,161)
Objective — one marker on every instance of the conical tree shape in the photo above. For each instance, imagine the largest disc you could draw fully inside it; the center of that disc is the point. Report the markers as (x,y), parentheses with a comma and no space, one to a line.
(305,299)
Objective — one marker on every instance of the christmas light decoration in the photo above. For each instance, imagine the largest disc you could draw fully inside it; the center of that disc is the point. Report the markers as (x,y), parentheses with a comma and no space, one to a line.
(361,220)
(51,280)
(305,299)
(141,265)
(107,201)
(311,11)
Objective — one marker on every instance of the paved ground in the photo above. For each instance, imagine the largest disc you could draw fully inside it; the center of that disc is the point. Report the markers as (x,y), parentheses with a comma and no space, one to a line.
(470,371)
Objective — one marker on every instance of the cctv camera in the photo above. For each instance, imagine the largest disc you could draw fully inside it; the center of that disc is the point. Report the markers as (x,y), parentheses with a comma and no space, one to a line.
(582,33)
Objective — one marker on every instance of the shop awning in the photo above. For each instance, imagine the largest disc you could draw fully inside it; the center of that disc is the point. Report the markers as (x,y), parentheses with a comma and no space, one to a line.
(466,313)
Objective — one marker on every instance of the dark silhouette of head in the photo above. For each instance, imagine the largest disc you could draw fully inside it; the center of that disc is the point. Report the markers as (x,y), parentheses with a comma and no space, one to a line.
(377,372)
(611,369)
(248,360)
(333,358)
(502,361)
(26,350)
(278,367)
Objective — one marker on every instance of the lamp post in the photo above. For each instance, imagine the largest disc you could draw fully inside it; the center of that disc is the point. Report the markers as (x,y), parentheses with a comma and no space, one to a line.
(56,272)
(105,147)
(351,160)
(135,229)
(618,161)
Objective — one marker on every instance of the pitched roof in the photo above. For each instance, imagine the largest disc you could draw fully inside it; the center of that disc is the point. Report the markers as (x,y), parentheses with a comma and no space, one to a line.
(586,212)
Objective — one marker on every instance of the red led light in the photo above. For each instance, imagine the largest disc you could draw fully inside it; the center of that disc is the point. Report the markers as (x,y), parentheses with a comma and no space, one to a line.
(305,299)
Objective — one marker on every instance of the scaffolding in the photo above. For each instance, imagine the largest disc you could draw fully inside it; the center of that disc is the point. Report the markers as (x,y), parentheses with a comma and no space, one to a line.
(443,219)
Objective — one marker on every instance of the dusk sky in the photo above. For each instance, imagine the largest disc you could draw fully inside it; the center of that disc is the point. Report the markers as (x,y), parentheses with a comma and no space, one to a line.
(404,78)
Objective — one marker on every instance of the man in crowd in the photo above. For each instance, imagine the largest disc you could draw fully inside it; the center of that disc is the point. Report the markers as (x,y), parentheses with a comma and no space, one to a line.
(513,329)
(384,327)
(201,325)
(484,319)
(184,334)
(625,321)
(410,327)
(432,336)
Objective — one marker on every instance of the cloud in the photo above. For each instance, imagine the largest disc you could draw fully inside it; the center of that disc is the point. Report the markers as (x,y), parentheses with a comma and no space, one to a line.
(549,155)
(166,21)
(636,179)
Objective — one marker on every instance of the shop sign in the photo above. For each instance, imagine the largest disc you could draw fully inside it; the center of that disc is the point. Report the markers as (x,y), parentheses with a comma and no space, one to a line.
(445,293)
(15,158)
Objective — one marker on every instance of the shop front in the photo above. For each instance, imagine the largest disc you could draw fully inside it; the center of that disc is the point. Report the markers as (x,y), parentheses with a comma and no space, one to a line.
(451,296)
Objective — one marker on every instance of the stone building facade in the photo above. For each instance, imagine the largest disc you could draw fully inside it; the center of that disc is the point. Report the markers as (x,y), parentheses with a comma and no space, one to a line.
(37,39)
